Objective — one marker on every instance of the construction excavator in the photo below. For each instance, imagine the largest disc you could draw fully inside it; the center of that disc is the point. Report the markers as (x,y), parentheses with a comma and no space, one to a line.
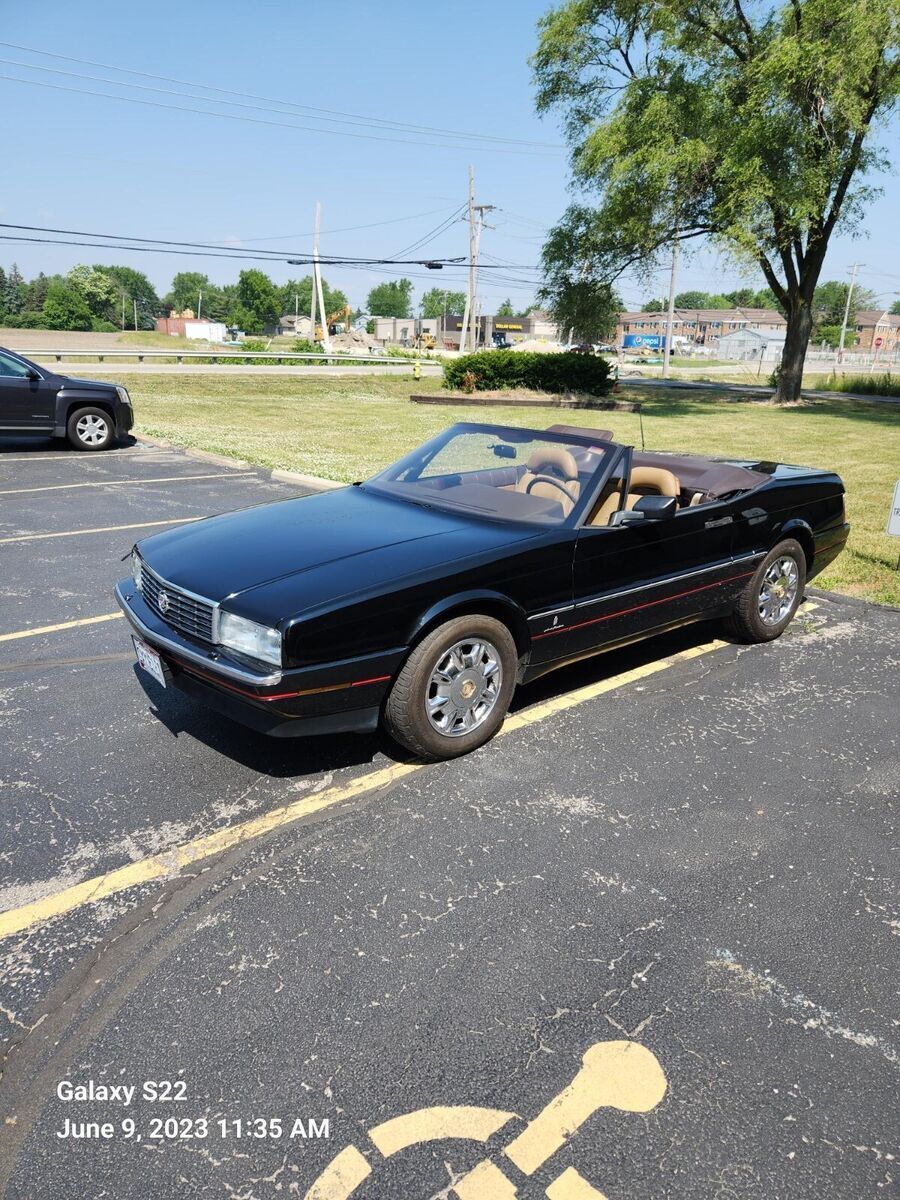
(338,322)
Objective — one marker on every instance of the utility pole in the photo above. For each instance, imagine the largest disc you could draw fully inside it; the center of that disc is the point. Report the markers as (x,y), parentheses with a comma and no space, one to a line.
(670,322)
(199,302)
(123,312)
(135,315)
(840,355)
(469,332)
(317,285)
(313,301)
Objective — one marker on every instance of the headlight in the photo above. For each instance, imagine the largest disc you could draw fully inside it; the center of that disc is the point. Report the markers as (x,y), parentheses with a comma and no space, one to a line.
(122,393)
(258,641)
(136,569)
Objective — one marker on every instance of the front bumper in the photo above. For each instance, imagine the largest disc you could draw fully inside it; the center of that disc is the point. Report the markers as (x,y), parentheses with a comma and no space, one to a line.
(337,697)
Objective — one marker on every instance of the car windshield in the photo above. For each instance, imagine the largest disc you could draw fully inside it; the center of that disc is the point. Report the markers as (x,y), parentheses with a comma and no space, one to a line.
(499,473)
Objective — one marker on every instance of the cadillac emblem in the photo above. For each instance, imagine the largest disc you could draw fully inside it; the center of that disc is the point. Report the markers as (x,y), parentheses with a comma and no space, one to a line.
(163,602)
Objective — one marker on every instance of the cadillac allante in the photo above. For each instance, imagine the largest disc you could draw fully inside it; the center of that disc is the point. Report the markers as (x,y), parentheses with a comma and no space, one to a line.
(419,599)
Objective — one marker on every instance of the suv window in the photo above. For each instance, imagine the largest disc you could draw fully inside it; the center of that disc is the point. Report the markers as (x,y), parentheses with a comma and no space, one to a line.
(11,367)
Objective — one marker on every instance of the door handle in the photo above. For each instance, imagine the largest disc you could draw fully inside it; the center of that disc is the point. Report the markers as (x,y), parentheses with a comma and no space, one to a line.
(719,521)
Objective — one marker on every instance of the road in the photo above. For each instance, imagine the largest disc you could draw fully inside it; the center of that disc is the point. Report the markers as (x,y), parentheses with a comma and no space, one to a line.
(683,847)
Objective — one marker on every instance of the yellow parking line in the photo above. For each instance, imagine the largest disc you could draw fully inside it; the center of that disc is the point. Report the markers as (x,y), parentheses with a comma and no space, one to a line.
(37,537)
(158,866)
(36,632)
(59,487)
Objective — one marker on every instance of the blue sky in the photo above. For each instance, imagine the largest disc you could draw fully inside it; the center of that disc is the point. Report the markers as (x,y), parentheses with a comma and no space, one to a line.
(84,162)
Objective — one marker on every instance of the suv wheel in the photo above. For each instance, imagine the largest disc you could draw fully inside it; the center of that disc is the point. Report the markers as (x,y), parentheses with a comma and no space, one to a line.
(453,691)
(90,429)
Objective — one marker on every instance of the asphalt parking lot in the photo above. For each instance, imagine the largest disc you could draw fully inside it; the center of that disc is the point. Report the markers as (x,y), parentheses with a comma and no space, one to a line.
(672,869)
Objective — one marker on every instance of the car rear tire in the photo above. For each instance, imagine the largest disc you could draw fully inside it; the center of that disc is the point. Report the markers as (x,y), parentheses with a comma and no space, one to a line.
(453,691)
(90,429)
(768,602)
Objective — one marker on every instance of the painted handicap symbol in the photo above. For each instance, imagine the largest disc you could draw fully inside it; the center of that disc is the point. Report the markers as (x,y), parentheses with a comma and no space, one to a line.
(619,1074)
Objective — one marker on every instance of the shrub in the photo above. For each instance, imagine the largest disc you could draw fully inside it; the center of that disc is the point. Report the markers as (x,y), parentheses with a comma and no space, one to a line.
(305,346)
(497,369)
(26,320)
(99,325)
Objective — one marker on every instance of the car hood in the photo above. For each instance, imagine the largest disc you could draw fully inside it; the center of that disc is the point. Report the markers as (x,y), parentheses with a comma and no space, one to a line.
(344,538)
(73,381)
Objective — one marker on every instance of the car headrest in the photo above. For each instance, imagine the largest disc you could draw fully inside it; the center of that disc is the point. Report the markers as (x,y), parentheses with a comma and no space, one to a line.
(554,456)
(664,482)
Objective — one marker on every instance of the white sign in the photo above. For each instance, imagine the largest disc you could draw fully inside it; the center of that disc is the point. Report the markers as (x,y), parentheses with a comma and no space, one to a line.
(893,525)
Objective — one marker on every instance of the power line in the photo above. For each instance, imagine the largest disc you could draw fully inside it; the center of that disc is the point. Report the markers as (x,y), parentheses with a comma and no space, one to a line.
(368,120)
(204,112)
(347,228)
(427,238)
(206,250)
(285,108)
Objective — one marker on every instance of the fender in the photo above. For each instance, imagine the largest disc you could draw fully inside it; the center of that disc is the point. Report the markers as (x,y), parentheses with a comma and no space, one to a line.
(800,530)
(74,396)
(478,600)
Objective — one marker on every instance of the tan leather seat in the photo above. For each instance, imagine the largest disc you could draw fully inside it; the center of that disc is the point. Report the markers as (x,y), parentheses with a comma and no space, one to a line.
(542,477)
(652,481)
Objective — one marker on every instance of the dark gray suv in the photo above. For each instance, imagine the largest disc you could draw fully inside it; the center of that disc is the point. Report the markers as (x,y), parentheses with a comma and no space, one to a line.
(33,400)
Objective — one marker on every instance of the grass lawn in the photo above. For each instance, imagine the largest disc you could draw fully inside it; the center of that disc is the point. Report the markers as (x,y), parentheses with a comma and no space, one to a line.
(348,428)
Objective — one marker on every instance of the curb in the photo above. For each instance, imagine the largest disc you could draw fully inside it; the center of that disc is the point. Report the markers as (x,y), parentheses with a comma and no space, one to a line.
(316,482)
(851,601)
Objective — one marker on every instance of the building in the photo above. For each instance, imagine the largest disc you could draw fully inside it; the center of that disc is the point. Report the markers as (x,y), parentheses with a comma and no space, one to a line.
(293,326)
(190,327)
(752,345)
(403,331)
(872,324)
(702,326)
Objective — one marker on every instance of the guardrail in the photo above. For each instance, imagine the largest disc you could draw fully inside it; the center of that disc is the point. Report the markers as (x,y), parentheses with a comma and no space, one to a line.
(216,355)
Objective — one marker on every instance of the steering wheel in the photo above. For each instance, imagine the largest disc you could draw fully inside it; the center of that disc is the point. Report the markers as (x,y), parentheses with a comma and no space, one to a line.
(548,479)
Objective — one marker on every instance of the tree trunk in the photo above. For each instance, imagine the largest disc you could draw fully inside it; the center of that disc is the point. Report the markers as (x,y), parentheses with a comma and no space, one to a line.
(790,375)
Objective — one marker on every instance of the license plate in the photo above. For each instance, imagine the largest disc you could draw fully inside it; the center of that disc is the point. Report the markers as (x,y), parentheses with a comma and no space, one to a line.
(149,660)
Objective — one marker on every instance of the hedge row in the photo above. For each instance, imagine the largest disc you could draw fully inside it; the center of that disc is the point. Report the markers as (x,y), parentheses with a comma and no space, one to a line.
(497,369)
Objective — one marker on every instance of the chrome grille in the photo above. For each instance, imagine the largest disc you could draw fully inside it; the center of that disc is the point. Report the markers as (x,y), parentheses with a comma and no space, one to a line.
(186,612)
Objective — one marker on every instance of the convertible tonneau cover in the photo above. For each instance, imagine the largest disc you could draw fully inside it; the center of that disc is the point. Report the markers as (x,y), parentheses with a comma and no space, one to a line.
(695,473)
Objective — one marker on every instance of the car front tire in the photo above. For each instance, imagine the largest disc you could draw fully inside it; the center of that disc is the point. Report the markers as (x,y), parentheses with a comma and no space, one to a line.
(453,691)
(772,596)
(90,429)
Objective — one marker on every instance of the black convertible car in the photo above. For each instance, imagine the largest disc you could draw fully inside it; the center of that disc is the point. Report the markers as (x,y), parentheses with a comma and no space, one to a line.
(483,559)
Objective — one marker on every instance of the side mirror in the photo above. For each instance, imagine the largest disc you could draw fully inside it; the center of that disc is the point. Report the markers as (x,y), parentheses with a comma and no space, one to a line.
(626,516)
(33,375)
(657,508)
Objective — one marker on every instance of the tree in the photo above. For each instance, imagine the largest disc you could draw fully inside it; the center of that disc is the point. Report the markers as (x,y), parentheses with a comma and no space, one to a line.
(12,299)
(506,309)
(691,300)
(256,294)
(711,122)
(830,300)
(653,306)
(134,286)
(185,293)
(96,289)
(66,308)
(436,302)
(895,308)
(391,299)
(296,295)
(36,291)
(582,303)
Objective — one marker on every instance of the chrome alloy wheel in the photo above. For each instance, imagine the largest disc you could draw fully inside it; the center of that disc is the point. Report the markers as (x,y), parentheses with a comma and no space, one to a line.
(92,430)
(778,590)
(464,687)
